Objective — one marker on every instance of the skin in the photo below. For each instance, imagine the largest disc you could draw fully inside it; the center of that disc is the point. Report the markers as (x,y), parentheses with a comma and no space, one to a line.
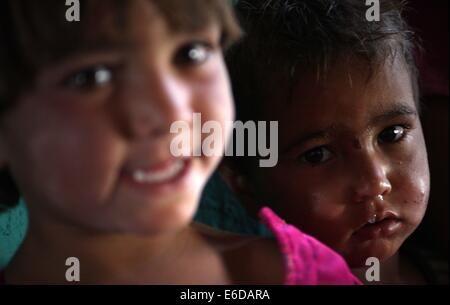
(339,152)
(74,142)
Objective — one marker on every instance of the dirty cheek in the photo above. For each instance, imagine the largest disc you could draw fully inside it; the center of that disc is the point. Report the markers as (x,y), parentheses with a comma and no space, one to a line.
(308,200)
(415,187)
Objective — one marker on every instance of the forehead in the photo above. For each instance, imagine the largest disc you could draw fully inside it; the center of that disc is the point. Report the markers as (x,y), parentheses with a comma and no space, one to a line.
(47,36)
(348,88)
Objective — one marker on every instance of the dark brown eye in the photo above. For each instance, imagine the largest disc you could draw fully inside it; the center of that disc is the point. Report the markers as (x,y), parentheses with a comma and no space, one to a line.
(392,134)
(89,78)
(193,54)
(316,156)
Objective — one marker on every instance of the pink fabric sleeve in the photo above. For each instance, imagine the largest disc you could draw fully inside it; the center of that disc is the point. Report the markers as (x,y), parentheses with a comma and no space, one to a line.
(307,261)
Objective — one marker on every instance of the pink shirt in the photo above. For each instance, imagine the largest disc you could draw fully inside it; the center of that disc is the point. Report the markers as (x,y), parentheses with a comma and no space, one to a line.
(307,261)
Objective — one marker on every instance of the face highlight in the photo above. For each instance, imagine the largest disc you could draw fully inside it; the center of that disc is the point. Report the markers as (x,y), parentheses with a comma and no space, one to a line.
(353,170)
(90,142)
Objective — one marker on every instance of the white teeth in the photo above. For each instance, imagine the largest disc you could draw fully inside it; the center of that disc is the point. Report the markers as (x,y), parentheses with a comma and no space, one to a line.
(373,219)
(143,176)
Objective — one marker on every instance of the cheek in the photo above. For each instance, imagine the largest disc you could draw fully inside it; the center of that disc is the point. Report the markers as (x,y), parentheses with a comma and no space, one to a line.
(217,102)
(314,205)
(411,186)
(310,200)
(75,163)
(213,95)
(214,101)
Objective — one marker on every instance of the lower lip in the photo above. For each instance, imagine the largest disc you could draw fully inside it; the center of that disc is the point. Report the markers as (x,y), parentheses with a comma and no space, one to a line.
(380,229)
(168,186)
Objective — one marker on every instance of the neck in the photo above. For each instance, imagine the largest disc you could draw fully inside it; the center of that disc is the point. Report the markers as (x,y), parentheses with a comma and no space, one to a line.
(102,256)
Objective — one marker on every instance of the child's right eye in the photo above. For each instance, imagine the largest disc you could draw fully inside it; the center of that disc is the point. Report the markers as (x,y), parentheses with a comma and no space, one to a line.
(89,78)
(316,156)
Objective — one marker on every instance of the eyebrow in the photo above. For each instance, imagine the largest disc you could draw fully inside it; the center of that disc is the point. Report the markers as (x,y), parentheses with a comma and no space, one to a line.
(108,45)
(311,135)
(102,47)
(399,109)
(79,52)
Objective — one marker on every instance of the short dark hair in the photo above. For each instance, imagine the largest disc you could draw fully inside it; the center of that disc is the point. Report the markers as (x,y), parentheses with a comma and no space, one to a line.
(295,36)
(35,33)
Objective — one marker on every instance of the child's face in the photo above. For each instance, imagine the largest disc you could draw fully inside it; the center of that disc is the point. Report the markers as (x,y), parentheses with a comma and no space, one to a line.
(90,142)
(349,150)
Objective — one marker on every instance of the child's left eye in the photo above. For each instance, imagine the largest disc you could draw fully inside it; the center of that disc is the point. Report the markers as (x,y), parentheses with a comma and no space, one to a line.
(193,54)
(89,78)
(392,134)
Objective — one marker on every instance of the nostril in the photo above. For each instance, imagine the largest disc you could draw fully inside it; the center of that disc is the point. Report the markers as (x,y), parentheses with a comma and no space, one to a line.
(369,192)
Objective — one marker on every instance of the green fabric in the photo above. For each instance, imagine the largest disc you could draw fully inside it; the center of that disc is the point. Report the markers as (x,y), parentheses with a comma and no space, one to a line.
(13,226)
(220,209)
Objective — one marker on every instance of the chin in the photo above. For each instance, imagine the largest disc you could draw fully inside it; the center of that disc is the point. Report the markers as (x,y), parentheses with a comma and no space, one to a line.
(379,249)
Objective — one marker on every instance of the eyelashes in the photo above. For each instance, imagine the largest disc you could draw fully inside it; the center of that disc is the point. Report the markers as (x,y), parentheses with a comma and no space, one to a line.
(393,134)
(193,54)
(89,78)
(316,156)
(319,155)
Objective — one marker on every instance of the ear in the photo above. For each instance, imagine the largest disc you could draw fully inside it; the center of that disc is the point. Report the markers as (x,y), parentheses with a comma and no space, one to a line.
(240,186)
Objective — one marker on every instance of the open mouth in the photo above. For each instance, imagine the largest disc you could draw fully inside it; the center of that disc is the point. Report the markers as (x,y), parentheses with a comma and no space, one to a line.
(159,175)
(165,176)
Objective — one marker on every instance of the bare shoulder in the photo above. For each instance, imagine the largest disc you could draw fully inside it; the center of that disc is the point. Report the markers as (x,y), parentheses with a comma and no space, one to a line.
(249,259)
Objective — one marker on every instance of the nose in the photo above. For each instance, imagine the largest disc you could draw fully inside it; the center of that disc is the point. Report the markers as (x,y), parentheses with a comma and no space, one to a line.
(151,101)
(371,179)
